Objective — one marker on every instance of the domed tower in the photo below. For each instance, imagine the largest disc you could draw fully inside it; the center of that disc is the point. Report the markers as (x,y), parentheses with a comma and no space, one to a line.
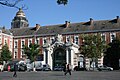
(19,20)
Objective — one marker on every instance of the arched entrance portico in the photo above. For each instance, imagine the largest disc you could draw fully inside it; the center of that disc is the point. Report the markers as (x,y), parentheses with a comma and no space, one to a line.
(59,57)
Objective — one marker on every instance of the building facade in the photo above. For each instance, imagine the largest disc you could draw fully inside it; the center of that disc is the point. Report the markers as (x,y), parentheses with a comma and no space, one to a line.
(60,43)
(6,37)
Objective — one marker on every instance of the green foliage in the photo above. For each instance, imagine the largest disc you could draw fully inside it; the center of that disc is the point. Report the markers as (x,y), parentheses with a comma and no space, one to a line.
(114,50)
(32,51)
(112,54)
(5,53)
(93,45)
(64,2)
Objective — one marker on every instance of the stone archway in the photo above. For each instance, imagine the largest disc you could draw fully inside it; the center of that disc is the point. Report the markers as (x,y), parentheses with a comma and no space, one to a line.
(59,57)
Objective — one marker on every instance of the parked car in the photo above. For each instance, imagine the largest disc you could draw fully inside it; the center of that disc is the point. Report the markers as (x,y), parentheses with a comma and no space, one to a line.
(29,67)
(22,67)
(77,68)
(58,68)
(101,68)
(1,68)
(46,67)
(11,64)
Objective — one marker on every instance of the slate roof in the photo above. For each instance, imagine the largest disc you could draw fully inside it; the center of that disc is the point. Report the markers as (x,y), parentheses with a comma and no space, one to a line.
(5,31)
(82,27)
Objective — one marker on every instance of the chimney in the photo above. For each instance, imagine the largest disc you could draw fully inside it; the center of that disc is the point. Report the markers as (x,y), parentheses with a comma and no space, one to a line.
(117,18)
(91,21)
(67,23)
(37,26)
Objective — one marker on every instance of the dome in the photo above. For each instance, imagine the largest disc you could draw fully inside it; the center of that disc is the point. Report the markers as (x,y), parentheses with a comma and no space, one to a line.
(20,13)
(19,20)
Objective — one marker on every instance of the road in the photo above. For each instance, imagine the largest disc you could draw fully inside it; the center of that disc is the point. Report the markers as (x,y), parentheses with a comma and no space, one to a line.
(59,75)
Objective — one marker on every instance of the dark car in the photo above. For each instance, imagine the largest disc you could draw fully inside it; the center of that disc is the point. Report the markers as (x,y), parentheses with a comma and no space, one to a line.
(58,68)
(22,67)
(77,68)
(11,64)
(39,68)
(46,67)
(101,68)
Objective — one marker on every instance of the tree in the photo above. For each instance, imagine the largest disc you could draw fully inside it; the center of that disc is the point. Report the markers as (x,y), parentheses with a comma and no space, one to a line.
(13,3)
(10,3)
(5,53)
(93,47)
(112,54)
(32,51)
(64,2)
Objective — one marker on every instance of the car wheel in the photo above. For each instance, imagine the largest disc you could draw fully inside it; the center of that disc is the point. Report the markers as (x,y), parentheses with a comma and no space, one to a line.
(99,70)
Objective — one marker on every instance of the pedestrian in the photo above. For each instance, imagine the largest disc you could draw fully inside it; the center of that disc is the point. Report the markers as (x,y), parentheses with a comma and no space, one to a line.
(68,69)
(15,70)
(9,68)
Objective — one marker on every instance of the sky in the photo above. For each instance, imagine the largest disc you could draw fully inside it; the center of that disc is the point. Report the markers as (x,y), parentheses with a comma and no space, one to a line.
(48,12)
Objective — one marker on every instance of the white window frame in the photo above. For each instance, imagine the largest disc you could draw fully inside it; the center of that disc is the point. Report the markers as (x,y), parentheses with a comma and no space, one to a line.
(29,41)
(15,54)
(37,39)
(52,38)
(44,39)
(23,40)
(15,44)
(10,44)
(76,36)
(103,34)
(22,52)
(68,38)
(111,34)
(5,41)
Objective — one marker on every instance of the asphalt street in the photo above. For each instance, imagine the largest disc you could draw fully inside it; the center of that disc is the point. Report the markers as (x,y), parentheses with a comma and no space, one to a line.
(59,75)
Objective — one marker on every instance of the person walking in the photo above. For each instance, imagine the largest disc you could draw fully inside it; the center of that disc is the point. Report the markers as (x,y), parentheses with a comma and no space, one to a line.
(68,69)
(9,68)
(15,70)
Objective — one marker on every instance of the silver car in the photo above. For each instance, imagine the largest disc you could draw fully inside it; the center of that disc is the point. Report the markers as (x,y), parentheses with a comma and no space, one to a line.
(101,68)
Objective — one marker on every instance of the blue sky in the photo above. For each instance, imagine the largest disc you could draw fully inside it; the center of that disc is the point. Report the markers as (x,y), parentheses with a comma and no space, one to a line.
(48,12)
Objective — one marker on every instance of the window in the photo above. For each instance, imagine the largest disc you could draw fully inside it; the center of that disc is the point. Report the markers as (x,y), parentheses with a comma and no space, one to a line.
(22,44)
(44,40)
(37,40)
(68,38)
(103,35)
(76,39)
(16,44)
(15,55)
(52,40)
(10,44)
(40,57)
(5,40)
(22,54)
(29,42)
(112,36)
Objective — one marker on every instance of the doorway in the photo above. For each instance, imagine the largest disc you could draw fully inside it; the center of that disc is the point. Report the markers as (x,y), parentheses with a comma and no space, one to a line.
(59,57)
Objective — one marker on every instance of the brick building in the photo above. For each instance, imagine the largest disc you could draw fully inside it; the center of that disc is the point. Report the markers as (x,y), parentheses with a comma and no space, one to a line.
(60,43)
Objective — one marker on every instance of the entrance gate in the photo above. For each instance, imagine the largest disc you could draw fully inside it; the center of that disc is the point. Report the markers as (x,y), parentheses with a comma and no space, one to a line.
(59,58)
